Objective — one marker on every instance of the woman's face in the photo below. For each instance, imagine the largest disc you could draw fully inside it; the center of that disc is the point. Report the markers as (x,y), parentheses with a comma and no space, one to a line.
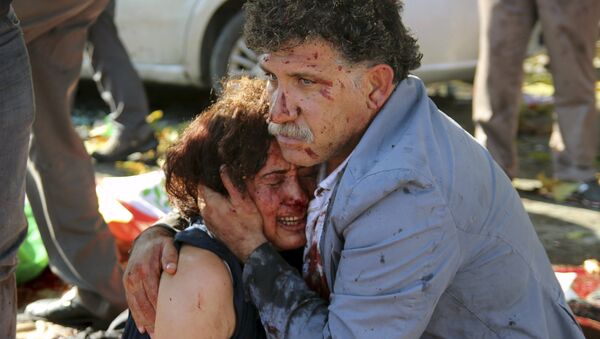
(280,192)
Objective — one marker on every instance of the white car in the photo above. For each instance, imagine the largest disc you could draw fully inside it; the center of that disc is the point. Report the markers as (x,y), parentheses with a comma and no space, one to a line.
(195,42)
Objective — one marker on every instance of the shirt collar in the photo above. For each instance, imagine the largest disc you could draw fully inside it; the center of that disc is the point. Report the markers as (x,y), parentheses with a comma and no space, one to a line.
(327,183)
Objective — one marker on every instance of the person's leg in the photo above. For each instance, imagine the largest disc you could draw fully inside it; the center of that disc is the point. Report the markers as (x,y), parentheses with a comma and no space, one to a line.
(119,82)
(571,29)
(505,27)
(8,305)
(121,88)
(16,117)
(61,183)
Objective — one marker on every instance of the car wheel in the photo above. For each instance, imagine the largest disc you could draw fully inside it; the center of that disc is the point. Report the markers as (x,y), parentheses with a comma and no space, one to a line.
(230,55)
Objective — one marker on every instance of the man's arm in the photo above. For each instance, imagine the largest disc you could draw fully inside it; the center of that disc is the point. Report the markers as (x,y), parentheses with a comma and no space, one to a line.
(287,307)
(152,253)
(397,260)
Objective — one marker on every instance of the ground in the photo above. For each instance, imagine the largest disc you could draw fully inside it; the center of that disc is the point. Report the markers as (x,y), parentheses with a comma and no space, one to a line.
(570,234)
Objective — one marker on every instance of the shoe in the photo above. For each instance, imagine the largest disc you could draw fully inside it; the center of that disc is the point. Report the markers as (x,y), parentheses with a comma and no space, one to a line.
(66,311)
(587,194)
(124,142)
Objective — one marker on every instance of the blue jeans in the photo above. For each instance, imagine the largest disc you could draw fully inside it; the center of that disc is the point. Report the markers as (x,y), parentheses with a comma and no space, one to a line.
(16,118)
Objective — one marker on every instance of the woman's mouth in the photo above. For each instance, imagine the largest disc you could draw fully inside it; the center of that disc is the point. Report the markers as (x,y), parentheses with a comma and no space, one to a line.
(292,223)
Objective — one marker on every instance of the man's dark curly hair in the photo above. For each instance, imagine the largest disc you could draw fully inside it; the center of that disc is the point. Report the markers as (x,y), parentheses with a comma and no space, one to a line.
(231,132)
(368,31)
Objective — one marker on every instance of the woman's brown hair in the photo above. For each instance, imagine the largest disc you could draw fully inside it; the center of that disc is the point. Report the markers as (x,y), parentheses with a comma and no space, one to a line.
(231,132)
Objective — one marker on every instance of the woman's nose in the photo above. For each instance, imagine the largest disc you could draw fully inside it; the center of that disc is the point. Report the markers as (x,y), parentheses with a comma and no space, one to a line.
(296,194)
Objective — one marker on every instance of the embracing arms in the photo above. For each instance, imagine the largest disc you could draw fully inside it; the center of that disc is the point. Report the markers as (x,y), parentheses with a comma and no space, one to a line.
(395,261)
(154,252)
(391,272)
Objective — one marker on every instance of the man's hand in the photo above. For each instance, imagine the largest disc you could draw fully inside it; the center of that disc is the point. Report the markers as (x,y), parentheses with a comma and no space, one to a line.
(235,221)
(152,253)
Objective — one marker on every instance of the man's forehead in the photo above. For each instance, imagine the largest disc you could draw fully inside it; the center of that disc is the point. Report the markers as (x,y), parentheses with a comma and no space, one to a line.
(313,50)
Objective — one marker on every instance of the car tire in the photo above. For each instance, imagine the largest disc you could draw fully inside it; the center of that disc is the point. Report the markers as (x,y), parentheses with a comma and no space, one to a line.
(230,56)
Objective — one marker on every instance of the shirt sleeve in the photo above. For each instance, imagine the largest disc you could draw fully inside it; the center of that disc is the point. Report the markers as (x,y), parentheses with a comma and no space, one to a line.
(397,260)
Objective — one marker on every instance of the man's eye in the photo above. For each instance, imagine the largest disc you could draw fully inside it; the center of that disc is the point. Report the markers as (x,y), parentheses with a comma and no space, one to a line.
(306,81)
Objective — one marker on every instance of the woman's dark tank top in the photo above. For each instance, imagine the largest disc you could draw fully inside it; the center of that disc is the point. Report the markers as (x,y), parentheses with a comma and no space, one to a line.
(247,320)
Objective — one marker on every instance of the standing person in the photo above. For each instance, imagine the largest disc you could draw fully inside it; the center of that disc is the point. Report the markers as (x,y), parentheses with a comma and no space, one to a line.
(570,31)
(16,117)
(414,232)
(122,90)
(60,183)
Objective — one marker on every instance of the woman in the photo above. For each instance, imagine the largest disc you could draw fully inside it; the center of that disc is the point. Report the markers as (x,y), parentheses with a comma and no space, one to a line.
(206,298)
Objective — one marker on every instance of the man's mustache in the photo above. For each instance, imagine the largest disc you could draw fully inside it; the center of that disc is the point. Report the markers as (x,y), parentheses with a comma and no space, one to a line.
(291,130)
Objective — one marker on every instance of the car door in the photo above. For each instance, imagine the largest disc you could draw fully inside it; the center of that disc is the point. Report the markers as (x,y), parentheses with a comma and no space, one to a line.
(154,31)
(447,32)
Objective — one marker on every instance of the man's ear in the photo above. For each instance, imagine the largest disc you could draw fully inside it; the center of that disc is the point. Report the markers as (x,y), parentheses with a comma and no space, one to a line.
(380,79)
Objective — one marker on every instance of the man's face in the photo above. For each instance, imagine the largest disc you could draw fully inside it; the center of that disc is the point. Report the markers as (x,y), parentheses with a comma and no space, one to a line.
(318,103)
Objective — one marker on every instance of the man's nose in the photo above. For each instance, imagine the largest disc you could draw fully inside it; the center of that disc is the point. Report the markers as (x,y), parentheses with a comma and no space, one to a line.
(281,110)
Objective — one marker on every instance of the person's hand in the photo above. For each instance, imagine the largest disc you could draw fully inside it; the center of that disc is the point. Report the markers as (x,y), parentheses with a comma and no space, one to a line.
(152,253)
(235,221)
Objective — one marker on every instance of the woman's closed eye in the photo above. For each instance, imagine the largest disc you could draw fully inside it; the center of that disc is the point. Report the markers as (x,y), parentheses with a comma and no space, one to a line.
(274,180)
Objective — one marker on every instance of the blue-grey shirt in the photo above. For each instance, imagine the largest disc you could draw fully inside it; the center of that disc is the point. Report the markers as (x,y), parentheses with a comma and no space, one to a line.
(425,238)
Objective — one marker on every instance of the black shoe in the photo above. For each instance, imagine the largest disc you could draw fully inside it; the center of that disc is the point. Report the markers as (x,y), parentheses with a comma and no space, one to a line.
(66,311)
(124,142)
(587,194)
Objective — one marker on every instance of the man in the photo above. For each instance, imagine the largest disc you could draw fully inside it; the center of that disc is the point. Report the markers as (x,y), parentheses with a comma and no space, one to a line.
(60,184)
(414,233)
(16,117)
(570,32)
(121,89)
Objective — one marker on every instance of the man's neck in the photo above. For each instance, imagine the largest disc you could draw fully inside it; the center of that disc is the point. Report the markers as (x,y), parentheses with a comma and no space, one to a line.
(332,164)
(345,151)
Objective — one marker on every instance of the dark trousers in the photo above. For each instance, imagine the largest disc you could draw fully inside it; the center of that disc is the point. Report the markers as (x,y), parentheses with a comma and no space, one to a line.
(570,31)
(60,182)
(117,80)
(16,117)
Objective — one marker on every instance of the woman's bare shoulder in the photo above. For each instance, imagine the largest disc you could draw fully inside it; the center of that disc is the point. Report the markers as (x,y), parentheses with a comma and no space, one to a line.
(198,297)
(198,261)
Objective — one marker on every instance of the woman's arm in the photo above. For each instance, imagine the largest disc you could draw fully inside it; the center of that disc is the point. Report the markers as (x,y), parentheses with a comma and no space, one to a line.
(196,302)
(152,252)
